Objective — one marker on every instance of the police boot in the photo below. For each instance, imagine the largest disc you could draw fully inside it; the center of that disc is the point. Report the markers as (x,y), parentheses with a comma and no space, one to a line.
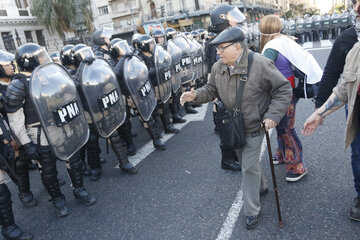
(165,119)
(93,154)
(84,168)
(155,135)
(25,195)
(125,131)
(49,179)
(9,229)
(120,153)
(189,109)
(229,160)
(174,111)
(80,193)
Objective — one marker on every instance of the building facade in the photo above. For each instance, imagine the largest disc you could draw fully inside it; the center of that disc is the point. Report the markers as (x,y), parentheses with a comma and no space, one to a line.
(18,26)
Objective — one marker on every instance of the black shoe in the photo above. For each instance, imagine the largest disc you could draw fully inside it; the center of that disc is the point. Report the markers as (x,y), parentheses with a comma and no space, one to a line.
(85,172)
(158,144)
(178,119)
(128,168)
(95,174)
(295,177)
(60,205)
(13,232)
(355,210)
(265,191)
(27,199)
(230,164)
(251,221)
(131,149)
(82,196)
(171,129)
(102,161)
(191,110)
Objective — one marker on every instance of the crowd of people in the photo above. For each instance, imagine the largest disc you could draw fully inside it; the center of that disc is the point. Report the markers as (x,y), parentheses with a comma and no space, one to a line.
(159,78)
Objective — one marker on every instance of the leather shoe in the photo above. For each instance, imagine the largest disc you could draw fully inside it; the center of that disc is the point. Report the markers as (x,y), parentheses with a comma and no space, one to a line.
(178,119)
(230,164)
(251,221)
(355,210)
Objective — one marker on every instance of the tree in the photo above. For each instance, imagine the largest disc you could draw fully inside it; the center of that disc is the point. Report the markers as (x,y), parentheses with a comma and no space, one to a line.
(59,15)
(310,12)
(339,8)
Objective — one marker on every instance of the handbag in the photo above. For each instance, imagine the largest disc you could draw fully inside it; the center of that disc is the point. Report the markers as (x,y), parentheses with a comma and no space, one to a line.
(230,123)
(299,90)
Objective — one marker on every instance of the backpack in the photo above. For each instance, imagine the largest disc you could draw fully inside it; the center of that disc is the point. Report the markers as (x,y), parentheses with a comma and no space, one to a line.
(300,78)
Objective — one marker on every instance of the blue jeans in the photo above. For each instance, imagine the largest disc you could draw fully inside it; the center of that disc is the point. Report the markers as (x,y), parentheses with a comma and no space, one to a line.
(355,159)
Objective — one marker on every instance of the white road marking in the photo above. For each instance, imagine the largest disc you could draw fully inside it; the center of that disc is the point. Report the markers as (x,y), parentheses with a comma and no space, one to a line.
(307,45)
(233,214)
(317,49)
(325,43)
(148,148)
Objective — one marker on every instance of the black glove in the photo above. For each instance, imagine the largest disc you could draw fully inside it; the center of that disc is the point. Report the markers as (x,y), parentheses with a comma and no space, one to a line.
(89,60)
(31,151)
(129,55)
(8,151)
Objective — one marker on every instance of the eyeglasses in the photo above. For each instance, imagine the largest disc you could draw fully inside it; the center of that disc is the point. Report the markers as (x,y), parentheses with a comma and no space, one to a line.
(222,49)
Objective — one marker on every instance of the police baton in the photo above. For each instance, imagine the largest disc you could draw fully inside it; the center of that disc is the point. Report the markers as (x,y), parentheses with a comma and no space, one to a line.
(281,224)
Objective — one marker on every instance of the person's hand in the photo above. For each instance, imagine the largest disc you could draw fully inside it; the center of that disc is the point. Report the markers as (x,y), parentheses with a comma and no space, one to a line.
(311,124)
(89,60)
(268,124)
(187,97)
(322,119)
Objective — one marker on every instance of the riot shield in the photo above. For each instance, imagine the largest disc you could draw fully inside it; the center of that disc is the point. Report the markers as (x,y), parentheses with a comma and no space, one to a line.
(186,75)
(139,86)
(325,22)
(162,60)
(193,57)
(344,20)
(334,21)
(58,105)
(103,96)
(300,26)
(256,38)
(176,71)
(317,22)
(308,25)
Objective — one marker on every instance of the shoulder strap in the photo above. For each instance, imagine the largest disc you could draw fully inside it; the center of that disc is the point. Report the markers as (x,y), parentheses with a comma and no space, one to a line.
(243,80)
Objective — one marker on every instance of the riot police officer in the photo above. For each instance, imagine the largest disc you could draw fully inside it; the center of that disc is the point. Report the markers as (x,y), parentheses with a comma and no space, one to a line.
(27,128)
(101,41)
(21,163)
(222,17)
(83,55)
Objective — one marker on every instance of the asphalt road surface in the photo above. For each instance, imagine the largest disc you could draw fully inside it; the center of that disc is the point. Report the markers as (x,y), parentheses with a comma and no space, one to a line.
(182,193)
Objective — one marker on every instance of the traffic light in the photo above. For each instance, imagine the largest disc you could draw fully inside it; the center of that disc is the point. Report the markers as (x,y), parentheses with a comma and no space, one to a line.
(162,7)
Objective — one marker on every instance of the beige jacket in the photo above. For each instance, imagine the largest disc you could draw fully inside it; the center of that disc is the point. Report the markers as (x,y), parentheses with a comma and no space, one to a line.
(267,92)
(347,90)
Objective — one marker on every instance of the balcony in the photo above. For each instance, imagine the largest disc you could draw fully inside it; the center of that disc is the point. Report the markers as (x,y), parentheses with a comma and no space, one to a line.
(24,13)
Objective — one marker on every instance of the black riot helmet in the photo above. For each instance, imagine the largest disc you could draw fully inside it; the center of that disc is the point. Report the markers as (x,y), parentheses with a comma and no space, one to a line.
(158,35)
(31,55)
(211,35)
(203,34)
(115,40)
(102,36)
(79,52)
(145,43)
(5,59)
(119,49)
(195,35)
(233,34)
(223,16)
(135,38)
(170,33)
(65,55)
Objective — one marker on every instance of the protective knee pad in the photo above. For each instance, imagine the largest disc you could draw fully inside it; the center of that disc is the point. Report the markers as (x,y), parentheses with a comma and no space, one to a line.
(115,138)
(75,161)
(5,195)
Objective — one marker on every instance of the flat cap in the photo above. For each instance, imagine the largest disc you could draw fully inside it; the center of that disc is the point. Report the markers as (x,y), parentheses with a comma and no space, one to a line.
(232,34)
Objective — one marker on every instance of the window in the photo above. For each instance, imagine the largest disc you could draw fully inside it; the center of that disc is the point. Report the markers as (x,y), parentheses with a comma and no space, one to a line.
(28,36)
(21,3)
(8,41)
(103,10)
(3,12)
(40,38)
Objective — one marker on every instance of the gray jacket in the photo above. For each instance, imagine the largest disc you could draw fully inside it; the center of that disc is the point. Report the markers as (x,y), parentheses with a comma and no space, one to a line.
(267,92)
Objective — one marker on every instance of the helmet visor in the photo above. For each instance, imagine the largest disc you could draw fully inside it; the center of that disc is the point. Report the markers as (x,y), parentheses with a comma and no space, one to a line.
(107,32)
(122,47)
(234,16)
(41,56)
(84,53)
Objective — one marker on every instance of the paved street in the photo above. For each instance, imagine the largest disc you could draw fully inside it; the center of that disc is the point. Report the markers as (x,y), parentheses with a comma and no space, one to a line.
(182,193)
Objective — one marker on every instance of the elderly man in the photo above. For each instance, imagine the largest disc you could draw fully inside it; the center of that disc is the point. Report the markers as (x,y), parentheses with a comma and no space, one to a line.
(265,99)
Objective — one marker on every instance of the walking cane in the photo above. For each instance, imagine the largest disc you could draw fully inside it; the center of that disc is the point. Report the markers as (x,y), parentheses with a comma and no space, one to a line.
(281,224)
